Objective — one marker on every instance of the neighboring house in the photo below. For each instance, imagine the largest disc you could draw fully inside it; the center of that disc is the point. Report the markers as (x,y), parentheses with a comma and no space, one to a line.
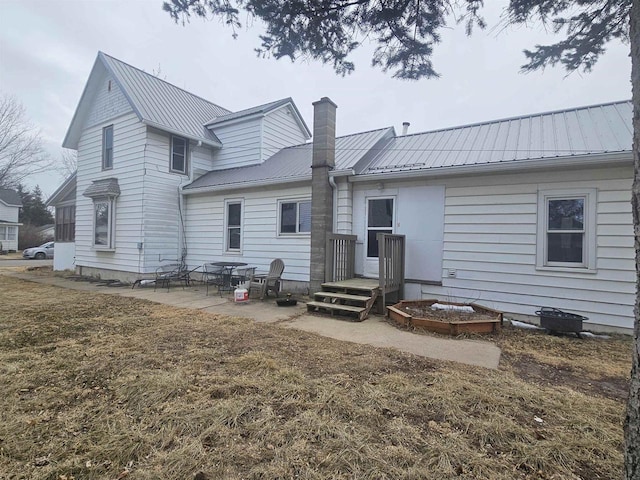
(46,232)
(513,214)
(64,201)
(10,204)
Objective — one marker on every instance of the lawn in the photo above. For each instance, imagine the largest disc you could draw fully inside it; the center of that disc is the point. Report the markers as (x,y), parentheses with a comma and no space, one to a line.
(105,387)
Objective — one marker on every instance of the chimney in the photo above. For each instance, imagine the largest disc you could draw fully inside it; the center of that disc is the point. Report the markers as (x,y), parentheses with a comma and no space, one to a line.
(324,160)
(405,127)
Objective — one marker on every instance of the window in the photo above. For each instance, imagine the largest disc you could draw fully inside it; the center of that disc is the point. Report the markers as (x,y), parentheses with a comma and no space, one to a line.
(566,229)
(234,225)
(8,232)
(179,148)
(379,220)
(295,217)
(66,224)
(107,147)
(103,216)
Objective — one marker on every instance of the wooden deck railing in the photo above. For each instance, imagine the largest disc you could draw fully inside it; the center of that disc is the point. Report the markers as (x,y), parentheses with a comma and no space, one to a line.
(391,250)
(340,257)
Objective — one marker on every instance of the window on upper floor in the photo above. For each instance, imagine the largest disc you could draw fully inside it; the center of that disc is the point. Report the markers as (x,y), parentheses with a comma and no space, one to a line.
(179,151)
(107,147)
(233,222)
(295,216)
(566,229)
(66,223)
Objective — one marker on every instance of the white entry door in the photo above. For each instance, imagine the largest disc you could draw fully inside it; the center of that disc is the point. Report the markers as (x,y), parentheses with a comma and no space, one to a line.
(380,219)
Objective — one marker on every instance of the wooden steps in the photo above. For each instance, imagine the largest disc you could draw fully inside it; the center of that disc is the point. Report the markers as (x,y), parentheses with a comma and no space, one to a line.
(353,298)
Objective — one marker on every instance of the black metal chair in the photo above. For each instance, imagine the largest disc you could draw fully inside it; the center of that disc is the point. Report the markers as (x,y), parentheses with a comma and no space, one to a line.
(243,275)
(214,275)
(171,272)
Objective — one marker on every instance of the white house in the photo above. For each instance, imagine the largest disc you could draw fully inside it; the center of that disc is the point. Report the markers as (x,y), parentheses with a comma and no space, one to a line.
(10,204)
(514,214)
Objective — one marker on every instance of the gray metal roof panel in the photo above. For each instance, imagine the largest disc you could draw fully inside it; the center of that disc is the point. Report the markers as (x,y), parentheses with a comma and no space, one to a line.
(581,131)
(164,104)
(293,162)
(267,107)
(10,197)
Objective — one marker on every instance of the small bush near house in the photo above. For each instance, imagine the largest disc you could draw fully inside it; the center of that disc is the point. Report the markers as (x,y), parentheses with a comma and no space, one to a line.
(29,236)
(100,386)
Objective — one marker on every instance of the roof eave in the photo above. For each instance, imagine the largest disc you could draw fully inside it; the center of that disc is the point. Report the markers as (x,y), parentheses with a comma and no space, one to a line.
(206,141)
(62,190)
(245,185)
(615,158)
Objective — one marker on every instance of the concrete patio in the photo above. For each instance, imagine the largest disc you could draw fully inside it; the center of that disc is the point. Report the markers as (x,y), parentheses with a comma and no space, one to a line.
(375,331)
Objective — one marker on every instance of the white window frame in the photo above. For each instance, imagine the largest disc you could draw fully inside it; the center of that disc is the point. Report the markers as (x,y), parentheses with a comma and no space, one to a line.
(106,166)
(185,153)
(111,204)
(297,201)
(381,229)
(227,227)
(588,264)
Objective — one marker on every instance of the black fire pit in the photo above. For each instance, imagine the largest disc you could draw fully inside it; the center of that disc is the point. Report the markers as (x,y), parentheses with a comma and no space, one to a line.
(558,321)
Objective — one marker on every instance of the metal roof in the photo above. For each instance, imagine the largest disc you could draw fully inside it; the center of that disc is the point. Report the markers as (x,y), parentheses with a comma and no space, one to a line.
(294,163)
(580,131)
(162,104)
(267,107)
(10,197)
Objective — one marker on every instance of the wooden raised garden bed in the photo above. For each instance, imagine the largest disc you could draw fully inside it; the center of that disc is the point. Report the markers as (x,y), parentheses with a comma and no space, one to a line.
(418,313)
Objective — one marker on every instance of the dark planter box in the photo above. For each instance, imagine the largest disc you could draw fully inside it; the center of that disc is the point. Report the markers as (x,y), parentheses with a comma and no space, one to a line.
(559,321)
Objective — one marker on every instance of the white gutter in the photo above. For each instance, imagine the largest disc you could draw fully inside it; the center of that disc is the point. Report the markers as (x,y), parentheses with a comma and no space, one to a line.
(605,159)
(211,143)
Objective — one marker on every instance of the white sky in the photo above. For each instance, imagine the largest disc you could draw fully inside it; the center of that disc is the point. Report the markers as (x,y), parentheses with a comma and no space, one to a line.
(47,49)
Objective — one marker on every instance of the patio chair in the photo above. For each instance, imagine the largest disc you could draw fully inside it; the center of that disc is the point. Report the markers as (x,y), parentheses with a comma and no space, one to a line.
(171,272)
(268,282)
(243,275)
(213,275)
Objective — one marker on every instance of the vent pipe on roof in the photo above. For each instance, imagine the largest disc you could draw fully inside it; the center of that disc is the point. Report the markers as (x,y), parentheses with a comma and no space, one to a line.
(405,127)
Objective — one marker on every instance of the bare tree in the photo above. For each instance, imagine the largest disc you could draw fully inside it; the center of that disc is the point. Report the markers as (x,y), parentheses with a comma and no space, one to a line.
(21,152)
(68,162)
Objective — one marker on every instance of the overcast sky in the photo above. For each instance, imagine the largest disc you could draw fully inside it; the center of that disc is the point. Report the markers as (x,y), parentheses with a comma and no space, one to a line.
(47,49)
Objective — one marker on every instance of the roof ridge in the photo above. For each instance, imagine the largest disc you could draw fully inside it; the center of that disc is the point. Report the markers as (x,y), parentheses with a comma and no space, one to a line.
(341,136)
(100,52)
(257,108)
(517,117)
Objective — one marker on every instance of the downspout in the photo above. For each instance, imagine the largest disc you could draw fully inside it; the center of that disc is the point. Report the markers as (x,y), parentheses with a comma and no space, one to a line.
(334,187)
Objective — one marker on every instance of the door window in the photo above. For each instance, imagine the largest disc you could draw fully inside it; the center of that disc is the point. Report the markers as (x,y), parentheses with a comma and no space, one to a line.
(379,220)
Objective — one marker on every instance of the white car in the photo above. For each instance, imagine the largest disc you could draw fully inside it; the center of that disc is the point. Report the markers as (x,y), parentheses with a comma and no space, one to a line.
(39,253)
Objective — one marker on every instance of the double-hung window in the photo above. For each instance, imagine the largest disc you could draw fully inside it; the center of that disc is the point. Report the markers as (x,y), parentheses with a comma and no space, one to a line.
(295,216)
(566,229)
(233,237)
(107,147)
(8,232)
(179,152)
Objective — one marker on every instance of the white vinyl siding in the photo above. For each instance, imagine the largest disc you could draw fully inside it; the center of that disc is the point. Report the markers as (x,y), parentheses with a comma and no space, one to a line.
(241,144)
(491,239)
(109,103)
(9,213)
(261,242)
(128,148)
(280,129)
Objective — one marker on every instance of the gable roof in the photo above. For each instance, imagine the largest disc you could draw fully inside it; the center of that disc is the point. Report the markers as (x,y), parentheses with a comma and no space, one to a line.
(262,110)
(10,197)
(156,102)
(66,191)
(578,132)
(292,164)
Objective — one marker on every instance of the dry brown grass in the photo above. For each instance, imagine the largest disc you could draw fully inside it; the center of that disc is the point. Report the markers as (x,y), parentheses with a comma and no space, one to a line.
(99,386)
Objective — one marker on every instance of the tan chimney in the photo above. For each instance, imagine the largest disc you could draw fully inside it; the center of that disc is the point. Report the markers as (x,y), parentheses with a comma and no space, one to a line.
(323,161)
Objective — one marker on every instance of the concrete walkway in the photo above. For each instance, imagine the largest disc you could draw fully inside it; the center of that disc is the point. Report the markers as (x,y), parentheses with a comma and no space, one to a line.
(374,331)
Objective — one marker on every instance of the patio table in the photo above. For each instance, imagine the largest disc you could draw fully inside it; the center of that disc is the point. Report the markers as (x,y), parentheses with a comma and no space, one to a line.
(227,276)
